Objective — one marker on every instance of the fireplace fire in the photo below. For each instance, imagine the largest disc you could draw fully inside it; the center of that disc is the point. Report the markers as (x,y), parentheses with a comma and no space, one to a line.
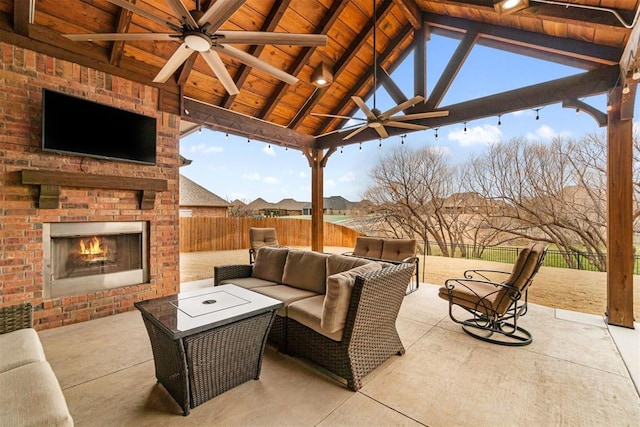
(87,257)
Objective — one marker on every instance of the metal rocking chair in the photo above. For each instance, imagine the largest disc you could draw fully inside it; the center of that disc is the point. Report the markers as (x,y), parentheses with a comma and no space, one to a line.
(496,306)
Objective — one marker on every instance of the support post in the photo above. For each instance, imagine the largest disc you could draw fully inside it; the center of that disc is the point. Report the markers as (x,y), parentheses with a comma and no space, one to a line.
(315,158)
(619,214)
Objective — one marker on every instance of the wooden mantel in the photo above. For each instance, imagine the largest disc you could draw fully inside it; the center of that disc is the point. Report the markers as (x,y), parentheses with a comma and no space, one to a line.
(51,181)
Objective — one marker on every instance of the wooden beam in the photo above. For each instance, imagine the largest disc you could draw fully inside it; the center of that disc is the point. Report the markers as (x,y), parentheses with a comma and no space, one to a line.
(306,108)
(222,120)
(390,86)
(23,11)
(581,106)
(124,21)
(411,11)
(451,70)
(576,53)
(420,37)
(578,86)
(619,216)
(315,158)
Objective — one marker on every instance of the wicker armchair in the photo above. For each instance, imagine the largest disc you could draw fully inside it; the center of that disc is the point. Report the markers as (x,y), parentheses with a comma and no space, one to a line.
(495,306)
(369,337)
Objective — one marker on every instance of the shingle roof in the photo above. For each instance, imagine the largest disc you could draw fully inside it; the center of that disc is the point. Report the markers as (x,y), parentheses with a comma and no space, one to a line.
(192,194)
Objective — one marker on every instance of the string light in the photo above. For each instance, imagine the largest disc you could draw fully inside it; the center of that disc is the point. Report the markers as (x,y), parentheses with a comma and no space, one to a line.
(248,141)
(577,111)
(200,130)
(226,135)
(626,89)
(609,106)
(269,146)
(537,110)
(435,131)
(286,148)
(380,143)
(361,146)
(402,137)
(465,127)
(499,120)
(341,150)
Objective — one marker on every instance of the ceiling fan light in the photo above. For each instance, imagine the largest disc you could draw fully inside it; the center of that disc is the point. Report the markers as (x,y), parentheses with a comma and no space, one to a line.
(506,7)
(636,74)
(198,41)
(322,76)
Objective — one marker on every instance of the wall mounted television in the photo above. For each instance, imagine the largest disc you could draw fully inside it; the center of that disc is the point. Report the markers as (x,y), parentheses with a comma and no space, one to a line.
(74,125)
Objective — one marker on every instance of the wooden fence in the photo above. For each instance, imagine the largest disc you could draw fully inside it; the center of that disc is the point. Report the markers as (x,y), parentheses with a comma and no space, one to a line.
(218,234)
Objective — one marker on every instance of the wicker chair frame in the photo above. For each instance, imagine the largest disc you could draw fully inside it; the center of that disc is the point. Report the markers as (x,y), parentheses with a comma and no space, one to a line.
(19,316)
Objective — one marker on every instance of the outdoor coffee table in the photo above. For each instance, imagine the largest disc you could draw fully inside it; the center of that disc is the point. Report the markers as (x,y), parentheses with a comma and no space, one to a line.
(207,341)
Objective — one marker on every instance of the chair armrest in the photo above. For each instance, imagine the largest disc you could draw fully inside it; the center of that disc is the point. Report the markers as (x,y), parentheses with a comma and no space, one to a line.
(468,283)
(16,317)
(231,271)
(348,253)
(485,274)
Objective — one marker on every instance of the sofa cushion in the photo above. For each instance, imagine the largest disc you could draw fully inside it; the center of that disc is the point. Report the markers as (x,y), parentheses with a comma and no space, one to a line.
(31,396)
(19,348)
(269,263)
(286,294)
(370,247)
(306,270)
(399,249)
(248,282)
(339,263)
(336,301)
(308,312)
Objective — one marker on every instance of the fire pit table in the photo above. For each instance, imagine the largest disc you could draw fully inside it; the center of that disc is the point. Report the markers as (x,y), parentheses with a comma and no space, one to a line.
(207,341)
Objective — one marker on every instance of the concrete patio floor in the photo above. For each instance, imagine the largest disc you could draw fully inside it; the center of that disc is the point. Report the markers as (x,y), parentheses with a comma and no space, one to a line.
(577,371)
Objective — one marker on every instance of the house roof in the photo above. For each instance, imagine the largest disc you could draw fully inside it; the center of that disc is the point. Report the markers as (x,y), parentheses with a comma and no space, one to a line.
(192,194)
(594,35)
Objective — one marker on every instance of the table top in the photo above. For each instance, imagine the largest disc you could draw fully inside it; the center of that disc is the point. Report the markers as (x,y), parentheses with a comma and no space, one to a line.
(191,312)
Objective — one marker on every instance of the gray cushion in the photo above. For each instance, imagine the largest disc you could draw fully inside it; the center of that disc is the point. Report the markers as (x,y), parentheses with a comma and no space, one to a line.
(339,263)
(19,348)
(31,396)
(269,264)
(248,282)
(336,301)
(305,270)
(308,312)
(286,294)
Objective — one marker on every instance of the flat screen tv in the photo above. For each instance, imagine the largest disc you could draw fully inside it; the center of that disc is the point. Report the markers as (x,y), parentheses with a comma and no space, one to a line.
(77,126)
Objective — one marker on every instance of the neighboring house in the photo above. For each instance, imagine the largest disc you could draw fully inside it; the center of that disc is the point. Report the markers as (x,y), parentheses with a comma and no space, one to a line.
(290,207)
(336,205)
(195,200)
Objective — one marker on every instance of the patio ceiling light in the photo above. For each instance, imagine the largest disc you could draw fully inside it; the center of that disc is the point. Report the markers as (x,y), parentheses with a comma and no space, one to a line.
(505,7)
(322,76)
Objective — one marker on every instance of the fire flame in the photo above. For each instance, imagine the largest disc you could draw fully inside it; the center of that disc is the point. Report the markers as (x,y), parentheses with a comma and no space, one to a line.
(93,247)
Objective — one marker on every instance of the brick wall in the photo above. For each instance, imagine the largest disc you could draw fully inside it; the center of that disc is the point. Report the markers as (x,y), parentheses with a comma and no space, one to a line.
(23,75)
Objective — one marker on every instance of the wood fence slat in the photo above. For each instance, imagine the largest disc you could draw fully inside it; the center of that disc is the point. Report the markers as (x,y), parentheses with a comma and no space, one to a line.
(218,234)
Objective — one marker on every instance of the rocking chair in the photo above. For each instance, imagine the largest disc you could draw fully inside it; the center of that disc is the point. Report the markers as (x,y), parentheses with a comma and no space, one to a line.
(496,306)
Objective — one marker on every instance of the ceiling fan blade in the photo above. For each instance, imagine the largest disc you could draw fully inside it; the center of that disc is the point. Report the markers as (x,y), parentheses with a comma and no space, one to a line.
(121,36)
(367,112)
(218,14)
(182,13)
(219,69)
(382,132)
(254,62)
(405,125)
(179,56)
(402,106)
(345,129)
(427,115)
(355,132)
(142,12)
(335,116)
(261,37)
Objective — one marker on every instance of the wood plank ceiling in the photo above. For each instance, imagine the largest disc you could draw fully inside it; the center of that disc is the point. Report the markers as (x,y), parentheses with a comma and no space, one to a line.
(590,34)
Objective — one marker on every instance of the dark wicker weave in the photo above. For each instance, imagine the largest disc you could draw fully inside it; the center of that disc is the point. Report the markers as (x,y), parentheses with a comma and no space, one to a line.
(370,336)
(232,271)
(199,367)
(16,317)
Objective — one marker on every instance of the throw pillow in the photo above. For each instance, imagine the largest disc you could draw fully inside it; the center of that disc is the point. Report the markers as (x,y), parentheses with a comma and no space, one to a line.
(336,301)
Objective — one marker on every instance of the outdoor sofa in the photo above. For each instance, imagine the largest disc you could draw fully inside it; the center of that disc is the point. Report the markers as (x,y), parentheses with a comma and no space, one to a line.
(30,393)
(339,312)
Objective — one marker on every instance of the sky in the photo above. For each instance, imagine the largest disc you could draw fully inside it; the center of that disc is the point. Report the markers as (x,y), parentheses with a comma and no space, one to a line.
(234,169)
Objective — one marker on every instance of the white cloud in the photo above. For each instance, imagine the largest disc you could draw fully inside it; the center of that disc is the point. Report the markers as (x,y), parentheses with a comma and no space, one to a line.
(268,149)
(203,148)
(545,132)
(271,180)
(476,135)
(251,176)
(348,177)
(329,183)
(302,175)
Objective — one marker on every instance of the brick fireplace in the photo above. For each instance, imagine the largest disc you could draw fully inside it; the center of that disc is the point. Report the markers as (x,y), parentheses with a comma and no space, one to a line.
(98,192)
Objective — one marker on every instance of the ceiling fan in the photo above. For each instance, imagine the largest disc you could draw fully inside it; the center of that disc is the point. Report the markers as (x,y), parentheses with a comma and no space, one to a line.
(376,119)
(199,32)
